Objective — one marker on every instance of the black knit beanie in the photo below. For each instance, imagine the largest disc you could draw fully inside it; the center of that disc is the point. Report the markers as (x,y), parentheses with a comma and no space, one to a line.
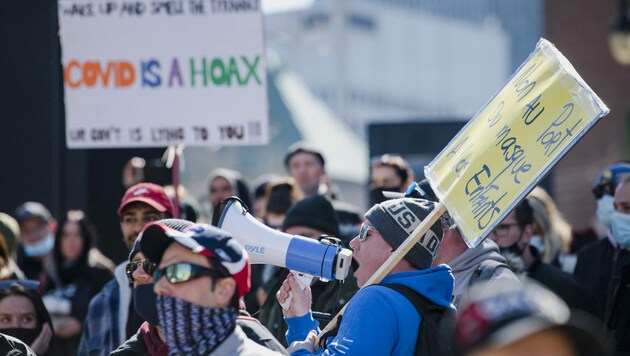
(396,219)
(315,212)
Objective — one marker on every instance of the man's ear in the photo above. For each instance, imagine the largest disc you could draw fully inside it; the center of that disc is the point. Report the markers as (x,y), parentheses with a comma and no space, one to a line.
(52,223)
(224,289)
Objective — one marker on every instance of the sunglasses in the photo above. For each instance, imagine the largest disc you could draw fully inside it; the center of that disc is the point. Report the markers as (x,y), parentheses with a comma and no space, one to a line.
(148,267)
(363,232)
(183,272)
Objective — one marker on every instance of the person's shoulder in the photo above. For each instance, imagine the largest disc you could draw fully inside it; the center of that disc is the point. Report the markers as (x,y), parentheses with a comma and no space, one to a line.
(133,346)
(13,346)
(594,247)
(381,297)
(257,332)
(251,348)
(106,293)
(239,344)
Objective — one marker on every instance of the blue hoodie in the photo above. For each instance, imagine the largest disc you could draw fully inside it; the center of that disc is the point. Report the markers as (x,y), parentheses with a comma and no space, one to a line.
(379,320)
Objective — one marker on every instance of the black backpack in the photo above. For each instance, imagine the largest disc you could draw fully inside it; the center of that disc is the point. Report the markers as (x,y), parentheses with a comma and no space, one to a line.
(435,334)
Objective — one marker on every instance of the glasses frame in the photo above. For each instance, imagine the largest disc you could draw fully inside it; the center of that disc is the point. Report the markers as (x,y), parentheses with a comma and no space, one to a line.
(364,230)
(195,272)
(507,228)
(148,267)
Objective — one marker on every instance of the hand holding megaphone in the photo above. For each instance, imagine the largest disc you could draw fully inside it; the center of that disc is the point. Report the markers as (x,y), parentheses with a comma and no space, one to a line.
(303,280)
(294,296)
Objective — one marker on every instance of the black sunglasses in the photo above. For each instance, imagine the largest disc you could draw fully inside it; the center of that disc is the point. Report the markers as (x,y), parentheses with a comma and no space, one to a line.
(148,267)
(183,272)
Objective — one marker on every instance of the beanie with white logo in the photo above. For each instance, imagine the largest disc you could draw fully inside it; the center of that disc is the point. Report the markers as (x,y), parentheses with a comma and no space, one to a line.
(396,219)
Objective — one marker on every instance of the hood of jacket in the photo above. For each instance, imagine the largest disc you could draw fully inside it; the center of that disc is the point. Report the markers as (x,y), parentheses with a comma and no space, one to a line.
(436,283)
(486,250)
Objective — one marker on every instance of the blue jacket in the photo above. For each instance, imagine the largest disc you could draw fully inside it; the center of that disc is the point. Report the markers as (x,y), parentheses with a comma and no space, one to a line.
(379,320)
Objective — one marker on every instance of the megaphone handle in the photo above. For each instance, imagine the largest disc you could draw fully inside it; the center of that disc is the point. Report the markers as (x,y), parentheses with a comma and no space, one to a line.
(304,280)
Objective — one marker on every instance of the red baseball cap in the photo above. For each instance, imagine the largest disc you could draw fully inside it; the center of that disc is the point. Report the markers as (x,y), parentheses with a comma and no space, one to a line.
(147,193)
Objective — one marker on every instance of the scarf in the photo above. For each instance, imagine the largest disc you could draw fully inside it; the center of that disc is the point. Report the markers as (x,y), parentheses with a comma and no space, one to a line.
(192,329)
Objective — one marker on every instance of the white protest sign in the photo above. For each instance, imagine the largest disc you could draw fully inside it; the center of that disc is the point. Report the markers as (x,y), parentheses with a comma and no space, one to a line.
(153,73)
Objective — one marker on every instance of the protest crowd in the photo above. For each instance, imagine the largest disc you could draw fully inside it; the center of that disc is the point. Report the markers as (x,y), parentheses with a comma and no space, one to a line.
(189,287)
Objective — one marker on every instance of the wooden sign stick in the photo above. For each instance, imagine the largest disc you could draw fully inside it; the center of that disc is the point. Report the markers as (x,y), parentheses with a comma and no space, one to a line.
(395,257)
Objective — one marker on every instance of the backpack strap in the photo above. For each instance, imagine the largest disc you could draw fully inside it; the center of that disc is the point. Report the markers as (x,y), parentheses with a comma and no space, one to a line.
(430,313)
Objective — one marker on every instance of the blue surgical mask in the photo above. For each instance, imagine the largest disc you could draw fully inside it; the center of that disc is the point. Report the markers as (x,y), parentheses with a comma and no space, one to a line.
(40,248)
(537,242)
(621,229)
(605,210)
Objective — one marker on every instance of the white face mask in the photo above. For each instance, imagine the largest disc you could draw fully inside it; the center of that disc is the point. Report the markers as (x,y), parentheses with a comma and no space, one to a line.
(605,210)
(621,229)
(40,248)
(537,242)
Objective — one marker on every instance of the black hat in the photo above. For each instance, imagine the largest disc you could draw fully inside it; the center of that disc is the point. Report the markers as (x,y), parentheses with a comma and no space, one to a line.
(305,147)
(315,212)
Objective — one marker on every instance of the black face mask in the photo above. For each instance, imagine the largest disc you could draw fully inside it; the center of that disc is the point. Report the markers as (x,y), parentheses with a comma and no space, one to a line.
(144,303)
(377,196)
(513,249)
(25,335)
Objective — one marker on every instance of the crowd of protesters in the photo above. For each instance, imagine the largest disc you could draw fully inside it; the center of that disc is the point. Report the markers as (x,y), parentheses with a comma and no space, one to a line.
(532,287)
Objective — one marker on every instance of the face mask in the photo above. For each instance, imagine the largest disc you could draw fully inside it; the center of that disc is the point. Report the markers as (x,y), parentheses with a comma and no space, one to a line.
(605,210)
(377,193)
(537,242)
(25,335)
(144,300)
(40,248)
(621,229)
(512,249)
(192,329)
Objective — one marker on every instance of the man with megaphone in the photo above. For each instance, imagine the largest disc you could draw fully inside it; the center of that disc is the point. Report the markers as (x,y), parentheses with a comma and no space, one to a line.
(379,320)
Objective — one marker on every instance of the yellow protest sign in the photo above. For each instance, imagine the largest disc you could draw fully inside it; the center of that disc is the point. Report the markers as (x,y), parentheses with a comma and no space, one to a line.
(513,141)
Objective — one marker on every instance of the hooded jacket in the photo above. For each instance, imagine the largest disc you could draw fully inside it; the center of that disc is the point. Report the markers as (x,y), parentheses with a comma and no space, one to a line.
(379,320)
(467,269)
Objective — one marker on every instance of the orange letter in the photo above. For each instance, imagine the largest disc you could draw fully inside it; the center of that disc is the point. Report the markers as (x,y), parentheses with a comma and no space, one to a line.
(90,71)
(68,76)
(126,74)
(105,76)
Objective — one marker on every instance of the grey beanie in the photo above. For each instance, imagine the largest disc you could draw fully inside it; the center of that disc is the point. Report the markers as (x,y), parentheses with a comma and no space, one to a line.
(395,220)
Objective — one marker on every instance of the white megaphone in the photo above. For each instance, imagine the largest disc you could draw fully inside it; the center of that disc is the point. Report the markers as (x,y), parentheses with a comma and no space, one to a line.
(269,246)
